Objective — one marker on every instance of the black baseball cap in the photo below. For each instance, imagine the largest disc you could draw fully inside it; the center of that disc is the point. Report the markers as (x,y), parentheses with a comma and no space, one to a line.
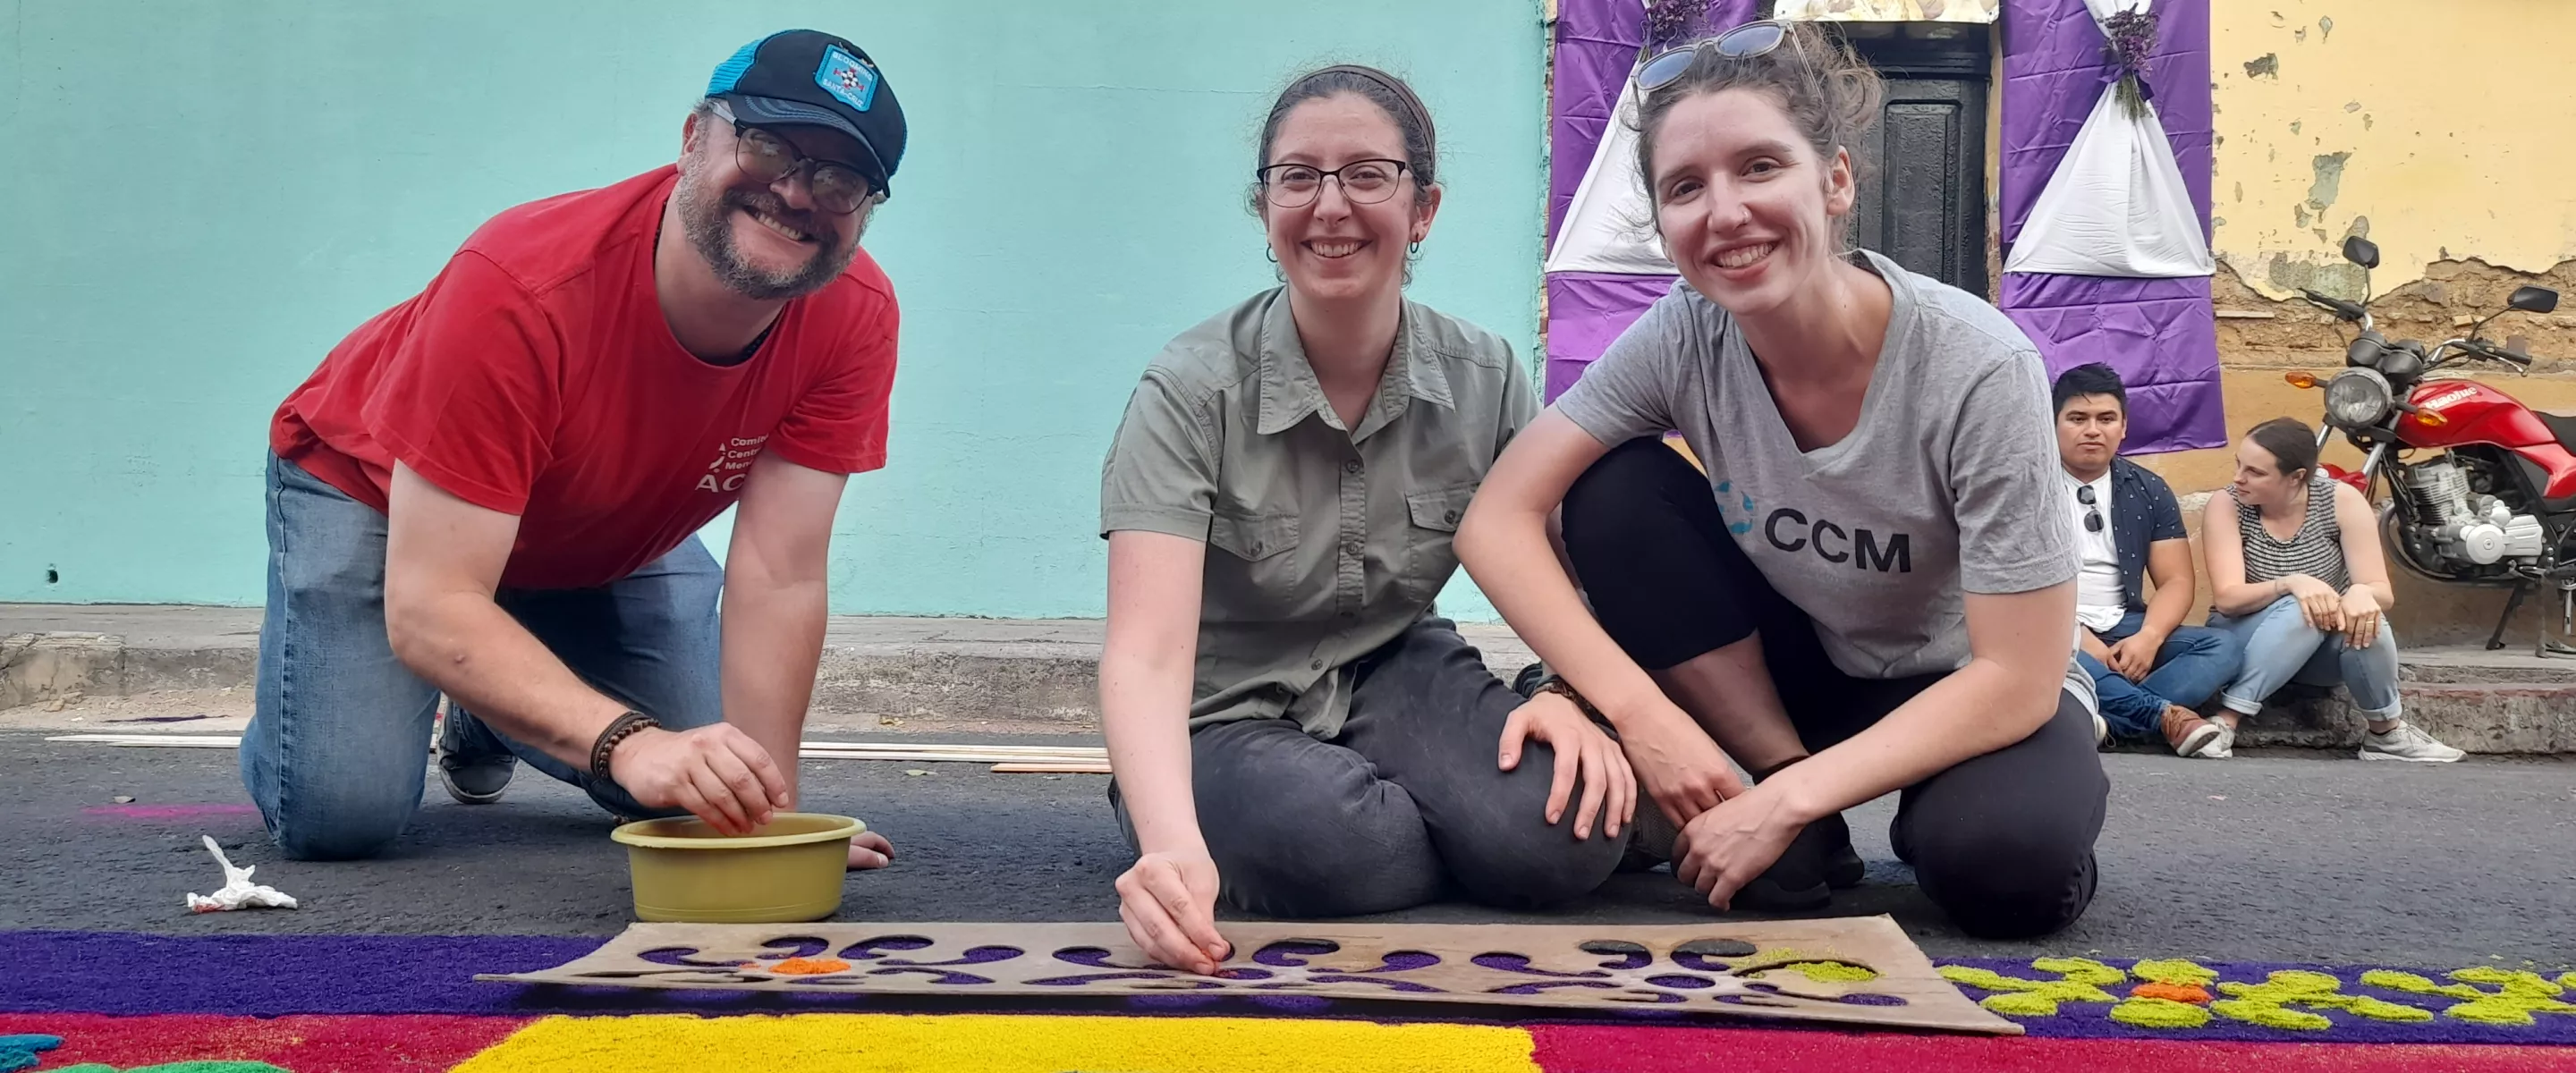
(814,78)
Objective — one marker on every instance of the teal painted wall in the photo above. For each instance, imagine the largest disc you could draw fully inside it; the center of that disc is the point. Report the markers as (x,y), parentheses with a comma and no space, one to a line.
(202,197)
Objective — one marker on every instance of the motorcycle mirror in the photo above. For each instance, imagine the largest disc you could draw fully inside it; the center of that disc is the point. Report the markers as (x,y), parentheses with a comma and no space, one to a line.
(2533,299)
(2361,251)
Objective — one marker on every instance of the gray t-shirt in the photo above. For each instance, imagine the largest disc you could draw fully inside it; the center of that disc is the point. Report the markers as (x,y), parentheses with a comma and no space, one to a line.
(1947,484)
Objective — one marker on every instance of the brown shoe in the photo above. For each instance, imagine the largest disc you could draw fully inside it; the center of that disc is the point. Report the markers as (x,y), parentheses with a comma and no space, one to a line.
(2189,734)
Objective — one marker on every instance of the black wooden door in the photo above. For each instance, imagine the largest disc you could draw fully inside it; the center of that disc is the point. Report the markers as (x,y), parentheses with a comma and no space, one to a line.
(1923,174)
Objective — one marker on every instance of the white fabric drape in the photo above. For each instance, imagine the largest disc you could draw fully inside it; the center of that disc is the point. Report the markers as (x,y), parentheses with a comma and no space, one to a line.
(2116,205)
(1608,226)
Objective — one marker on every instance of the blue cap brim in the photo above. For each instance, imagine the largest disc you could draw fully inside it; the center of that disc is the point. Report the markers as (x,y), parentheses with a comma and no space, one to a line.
(769,111)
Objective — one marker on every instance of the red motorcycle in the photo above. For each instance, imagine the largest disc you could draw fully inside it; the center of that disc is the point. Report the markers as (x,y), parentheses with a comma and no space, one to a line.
(2481,489)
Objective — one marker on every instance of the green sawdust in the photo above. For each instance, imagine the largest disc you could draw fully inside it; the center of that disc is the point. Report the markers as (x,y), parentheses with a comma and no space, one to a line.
(2079,980)
(2160,1013)
(2516,997)
(2173,996)
(1819,966)
(2269,1003)
(1823,972)
(2178,972)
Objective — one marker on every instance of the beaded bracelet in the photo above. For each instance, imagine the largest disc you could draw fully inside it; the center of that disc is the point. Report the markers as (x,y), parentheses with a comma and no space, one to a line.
(1563,688)
(624,727)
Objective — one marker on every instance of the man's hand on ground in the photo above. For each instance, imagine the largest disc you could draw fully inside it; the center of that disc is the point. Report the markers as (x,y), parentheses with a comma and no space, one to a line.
(716,772)
(870,850)
(2135,656)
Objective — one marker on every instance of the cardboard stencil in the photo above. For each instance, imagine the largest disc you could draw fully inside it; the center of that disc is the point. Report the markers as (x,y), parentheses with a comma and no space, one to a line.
(1851,970)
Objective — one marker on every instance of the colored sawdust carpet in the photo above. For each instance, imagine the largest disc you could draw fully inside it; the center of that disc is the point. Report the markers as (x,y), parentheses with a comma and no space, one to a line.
(113,1003)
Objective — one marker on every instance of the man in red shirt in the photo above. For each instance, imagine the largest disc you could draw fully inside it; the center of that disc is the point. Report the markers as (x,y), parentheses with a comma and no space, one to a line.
(491,491)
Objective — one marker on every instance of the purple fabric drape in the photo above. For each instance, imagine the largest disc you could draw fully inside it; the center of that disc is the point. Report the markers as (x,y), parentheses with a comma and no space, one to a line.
(1585,311)
(1597,43)
(2161,334)
(1596,46)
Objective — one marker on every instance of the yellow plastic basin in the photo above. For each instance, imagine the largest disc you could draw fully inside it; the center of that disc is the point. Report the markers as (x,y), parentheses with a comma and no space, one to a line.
(788,871)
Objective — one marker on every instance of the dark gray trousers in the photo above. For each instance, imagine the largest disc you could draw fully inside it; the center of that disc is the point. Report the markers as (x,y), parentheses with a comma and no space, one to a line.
(1405,806)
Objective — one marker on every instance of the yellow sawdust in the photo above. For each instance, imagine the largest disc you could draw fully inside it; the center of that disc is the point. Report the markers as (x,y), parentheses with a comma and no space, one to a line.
(905,1043)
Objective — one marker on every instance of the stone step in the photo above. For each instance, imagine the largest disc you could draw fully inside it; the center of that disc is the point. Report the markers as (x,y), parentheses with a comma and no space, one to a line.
(1043,672)
(2480,717)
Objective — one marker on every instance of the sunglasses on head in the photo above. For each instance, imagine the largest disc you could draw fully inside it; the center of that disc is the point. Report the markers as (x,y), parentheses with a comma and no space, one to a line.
(1741,43)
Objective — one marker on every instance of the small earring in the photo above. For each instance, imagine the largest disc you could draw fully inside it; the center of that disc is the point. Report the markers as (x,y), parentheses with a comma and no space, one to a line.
(1268,254)
(1415,249)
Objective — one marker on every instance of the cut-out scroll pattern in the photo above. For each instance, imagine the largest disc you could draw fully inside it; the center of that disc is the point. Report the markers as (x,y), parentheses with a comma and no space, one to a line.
(1856,970)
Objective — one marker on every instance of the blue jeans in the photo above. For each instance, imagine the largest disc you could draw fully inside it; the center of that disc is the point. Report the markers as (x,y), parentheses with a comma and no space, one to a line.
(2192,663)
(337,751)
(2281,647)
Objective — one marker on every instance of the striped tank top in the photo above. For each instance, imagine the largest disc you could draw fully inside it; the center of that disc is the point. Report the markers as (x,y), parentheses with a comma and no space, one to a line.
(2315,550)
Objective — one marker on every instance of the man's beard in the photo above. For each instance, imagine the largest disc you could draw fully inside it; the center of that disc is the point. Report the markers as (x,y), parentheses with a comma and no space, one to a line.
(710,228)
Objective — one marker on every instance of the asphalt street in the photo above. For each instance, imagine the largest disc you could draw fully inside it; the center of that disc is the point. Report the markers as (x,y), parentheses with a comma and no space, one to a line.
(2273,856)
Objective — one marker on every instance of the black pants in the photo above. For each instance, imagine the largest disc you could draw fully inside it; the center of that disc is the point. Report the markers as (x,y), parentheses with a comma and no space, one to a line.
(1405,805)
(2002,842)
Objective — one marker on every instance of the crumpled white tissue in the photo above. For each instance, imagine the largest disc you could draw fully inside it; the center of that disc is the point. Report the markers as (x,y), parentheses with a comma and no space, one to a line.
(238,891)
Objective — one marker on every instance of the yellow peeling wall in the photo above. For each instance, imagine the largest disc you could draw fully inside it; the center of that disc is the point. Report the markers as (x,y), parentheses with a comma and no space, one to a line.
(2445,126)
(2446,132)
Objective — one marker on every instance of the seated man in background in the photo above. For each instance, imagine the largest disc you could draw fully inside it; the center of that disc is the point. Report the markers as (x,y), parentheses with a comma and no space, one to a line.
(2149,669)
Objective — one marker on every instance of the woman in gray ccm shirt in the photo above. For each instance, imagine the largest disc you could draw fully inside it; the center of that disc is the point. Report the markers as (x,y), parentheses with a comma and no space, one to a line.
(1288,724)
(1872,587)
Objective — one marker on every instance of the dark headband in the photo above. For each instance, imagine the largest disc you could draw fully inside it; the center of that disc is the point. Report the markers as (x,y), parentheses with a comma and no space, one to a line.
(1403,94)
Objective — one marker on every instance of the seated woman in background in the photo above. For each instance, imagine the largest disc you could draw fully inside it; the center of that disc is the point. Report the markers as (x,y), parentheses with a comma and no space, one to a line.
(2296,574)
(1293,732)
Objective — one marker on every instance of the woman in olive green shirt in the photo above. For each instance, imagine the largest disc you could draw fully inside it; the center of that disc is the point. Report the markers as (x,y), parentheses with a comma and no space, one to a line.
(1293,732)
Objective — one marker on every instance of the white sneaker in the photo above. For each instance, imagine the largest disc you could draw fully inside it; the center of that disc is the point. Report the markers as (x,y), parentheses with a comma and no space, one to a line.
(2101,731)
(2404,742)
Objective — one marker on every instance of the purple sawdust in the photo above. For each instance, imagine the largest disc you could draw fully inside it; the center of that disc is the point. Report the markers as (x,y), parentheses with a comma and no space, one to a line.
(796,946)
(1858,999)
(1680,980)
(1183,1001)
(161,718)
(275,975)
(1088,955)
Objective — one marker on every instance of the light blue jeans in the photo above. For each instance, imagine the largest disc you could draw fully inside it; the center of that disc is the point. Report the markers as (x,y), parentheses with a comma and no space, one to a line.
(2280,647)
(2192,663)
(337,751)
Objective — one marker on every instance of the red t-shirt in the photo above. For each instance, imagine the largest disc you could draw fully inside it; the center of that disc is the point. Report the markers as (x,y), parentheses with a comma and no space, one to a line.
(535,376)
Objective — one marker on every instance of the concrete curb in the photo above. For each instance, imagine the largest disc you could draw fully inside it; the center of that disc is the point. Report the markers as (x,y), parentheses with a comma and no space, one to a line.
(1043,671)
(38,667)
